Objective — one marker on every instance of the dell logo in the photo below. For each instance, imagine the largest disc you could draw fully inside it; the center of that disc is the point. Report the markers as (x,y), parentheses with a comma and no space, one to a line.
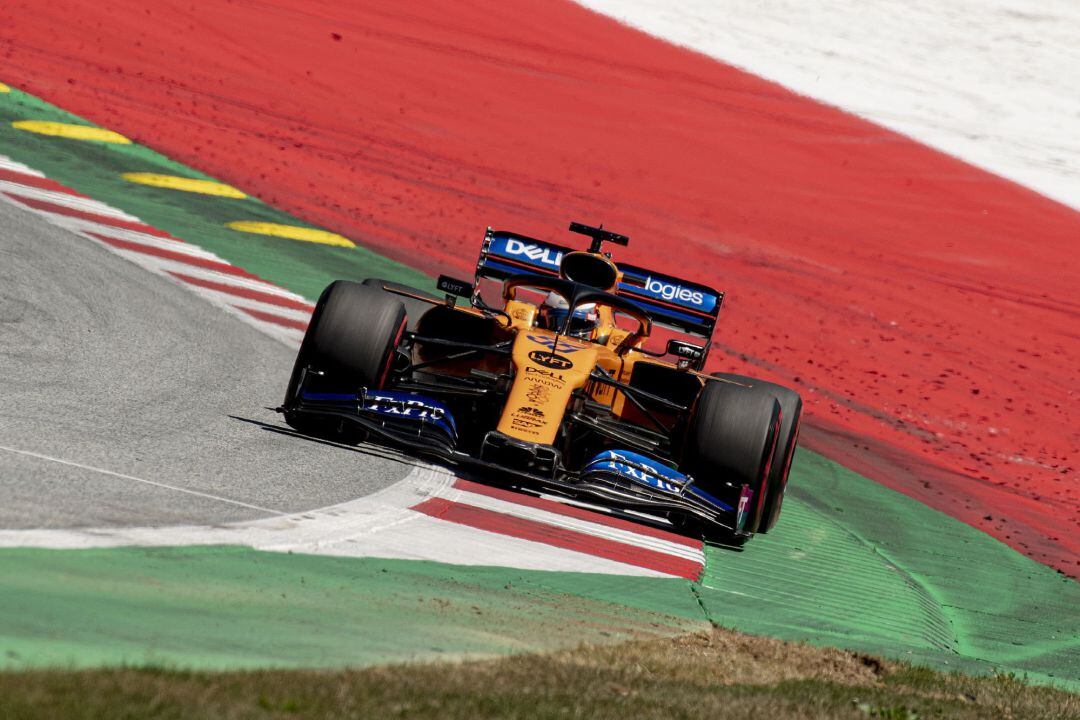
(545,256)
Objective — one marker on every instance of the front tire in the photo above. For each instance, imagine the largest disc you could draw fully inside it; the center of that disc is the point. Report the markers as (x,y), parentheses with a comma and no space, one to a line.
(790,419)
(351,339)
(732,439)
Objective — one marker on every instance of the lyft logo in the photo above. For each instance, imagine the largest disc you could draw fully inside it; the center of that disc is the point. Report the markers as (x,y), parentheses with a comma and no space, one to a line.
(545,256)
(669,291)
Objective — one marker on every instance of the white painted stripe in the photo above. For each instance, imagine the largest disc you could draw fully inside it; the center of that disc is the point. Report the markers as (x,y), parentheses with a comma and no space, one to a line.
(162,265)
(291,337)
(122,476)
(178,266)
(176,246)
(627,537)
(242,282)
(379,525)
(84,226)
(240,302)
(8,164)
(427,538)
(66,199)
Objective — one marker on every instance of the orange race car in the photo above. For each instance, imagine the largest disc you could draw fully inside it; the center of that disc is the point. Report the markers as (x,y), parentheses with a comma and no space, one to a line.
(552,377)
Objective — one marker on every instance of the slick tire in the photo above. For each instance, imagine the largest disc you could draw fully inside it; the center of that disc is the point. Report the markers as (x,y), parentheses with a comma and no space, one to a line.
(414,308)
(351,338)
(790,419)
(732,438)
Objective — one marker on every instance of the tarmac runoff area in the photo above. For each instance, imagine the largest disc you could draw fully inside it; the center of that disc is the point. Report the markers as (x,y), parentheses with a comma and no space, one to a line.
(130,401)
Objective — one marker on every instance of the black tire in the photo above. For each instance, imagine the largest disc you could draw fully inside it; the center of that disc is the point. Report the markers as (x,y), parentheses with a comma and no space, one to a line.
(790,420)
(731,438)
(351,338)
(414,308)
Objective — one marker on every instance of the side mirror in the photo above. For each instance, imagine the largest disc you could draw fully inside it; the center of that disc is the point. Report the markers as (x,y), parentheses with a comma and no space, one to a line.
(454,288)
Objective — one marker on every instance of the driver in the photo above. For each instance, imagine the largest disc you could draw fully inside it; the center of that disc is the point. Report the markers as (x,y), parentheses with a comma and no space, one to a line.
(553,314)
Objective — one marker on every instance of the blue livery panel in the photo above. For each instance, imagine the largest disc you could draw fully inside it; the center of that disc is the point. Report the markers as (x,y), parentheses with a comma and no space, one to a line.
(395,405)
(670,301)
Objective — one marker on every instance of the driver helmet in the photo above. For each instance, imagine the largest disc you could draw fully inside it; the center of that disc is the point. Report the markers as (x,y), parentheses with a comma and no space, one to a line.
(554,310)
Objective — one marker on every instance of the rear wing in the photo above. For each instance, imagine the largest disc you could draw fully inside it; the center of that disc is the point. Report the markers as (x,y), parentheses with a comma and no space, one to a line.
(678,304)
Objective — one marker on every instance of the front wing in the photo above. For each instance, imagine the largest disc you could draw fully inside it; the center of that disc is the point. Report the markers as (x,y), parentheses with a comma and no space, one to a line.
(619,478)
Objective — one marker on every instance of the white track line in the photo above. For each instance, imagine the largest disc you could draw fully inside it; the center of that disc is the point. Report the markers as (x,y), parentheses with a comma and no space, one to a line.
(240,282)
(380,525)
(122,476)
(66,200)
(222,298)
(7,163)
(89,226)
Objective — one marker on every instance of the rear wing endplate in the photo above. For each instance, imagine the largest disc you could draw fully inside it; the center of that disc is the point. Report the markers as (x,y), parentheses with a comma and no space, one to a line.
(678,304)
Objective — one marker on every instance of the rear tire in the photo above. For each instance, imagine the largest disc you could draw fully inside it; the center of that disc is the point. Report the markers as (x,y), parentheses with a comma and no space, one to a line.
(791,416)
(351,338)
(731,439)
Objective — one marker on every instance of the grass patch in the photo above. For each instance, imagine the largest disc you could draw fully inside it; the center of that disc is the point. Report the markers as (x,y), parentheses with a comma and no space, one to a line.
(715,674)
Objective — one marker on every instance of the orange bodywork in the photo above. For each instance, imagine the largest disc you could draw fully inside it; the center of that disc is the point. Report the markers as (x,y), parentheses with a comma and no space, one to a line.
(547,370)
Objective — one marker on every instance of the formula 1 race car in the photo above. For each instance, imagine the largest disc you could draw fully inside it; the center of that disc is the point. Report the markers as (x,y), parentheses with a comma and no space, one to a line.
(548,378)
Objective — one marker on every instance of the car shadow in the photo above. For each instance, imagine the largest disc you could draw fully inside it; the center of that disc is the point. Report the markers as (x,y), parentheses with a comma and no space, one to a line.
(364,449)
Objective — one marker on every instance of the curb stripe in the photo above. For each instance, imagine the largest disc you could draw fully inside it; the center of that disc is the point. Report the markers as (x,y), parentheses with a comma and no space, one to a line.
(66,199)
(524,529)
(15,165)
(53,208)
(275,319)
(244,292)
(85,227)
(277,312)
(241,303)
(23,177)
(577,513)
(586,527)
(230,280)
(221,267)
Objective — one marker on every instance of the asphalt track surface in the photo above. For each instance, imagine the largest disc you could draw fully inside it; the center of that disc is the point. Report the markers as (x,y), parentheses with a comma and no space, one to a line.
(130,401)
(925,308)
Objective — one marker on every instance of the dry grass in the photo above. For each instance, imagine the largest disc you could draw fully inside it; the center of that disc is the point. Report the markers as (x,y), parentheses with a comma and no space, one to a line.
(720,674)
